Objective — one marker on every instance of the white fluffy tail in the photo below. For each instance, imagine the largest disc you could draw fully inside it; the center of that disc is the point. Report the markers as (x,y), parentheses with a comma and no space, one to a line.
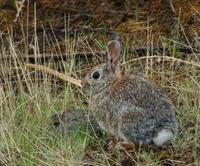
(162,137)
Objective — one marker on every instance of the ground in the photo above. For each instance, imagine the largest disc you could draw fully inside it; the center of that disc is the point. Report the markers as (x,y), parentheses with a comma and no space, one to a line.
(72,35)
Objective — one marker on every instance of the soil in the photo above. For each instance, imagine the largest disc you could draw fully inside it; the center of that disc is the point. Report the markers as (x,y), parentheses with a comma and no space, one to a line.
(138,24)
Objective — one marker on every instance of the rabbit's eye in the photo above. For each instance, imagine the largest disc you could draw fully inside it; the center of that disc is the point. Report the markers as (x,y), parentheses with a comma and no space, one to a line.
(96,75)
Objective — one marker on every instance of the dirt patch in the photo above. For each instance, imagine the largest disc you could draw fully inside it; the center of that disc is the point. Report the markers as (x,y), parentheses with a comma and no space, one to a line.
(136,23)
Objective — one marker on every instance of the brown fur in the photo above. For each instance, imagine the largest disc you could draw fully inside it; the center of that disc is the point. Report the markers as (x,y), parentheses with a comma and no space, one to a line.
(129,107)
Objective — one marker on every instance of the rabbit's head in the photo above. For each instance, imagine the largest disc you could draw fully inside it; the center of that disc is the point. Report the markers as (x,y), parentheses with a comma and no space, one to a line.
(104,74)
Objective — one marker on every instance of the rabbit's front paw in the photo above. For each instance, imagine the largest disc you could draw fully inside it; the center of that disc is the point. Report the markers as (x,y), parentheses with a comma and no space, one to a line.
(112,144)
(127,146)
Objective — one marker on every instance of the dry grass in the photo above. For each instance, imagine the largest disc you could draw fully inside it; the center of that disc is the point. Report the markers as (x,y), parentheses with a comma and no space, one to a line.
(29,98)
(131,20)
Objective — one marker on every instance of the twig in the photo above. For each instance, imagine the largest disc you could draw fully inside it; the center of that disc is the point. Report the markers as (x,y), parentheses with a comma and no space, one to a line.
(78,82)
(56,57)
(61,76)
(140,51)
(20,5)
(164,58)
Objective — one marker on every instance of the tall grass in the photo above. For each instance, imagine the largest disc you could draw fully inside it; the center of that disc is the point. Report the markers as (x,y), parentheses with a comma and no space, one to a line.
(29,98)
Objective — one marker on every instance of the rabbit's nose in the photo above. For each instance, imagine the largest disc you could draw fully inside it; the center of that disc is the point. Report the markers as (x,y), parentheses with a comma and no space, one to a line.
(83,82)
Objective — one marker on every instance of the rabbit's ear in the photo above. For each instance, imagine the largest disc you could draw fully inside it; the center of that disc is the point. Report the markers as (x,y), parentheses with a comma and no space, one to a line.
(114,54)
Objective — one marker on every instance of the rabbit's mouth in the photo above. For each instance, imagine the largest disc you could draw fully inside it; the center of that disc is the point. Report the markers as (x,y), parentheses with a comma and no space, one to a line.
(86,88)
(92,89)
(84,82)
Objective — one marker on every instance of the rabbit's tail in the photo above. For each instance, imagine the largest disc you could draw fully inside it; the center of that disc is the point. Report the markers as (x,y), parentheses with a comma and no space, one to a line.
(166,134)
(163,137)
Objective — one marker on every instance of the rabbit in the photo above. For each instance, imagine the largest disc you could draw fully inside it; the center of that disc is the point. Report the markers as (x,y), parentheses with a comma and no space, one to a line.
(71,120)
(68,121)
(128,107)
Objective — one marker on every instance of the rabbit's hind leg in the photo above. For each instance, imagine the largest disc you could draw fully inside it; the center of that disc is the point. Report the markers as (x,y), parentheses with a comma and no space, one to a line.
(162,137)
(113,141)
(128,146)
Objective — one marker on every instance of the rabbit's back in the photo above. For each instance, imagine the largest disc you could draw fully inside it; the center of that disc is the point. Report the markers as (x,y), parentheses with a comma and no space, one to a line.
(140,92)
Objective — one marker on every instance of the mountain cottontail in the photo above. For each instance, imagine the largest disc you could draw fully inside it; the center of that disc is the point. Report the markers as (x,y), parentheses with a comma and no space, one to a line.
(129,107)
(70,121)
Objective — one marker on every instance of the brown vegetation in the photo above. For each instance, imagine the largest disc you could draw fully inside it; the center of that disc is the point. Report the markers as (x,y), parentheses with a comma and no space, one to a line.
(98,17)
(162,44)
